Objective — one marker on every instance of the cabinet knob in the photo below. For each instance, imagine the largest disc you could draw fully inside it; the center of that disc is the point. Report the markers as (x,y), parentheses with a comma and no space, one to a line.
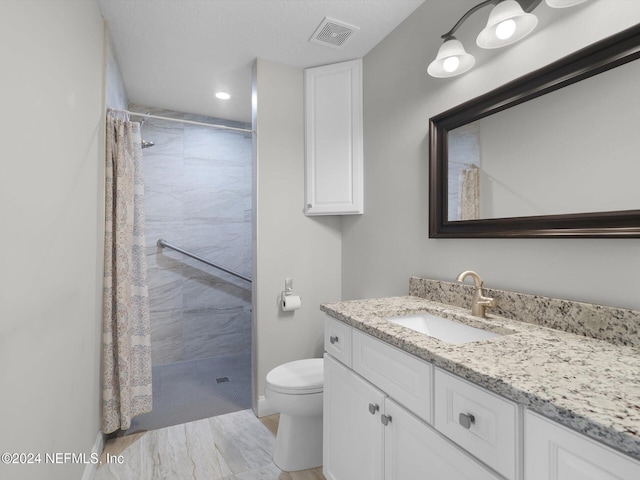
(333,339)
(385,419)
(373,408)
(466,419)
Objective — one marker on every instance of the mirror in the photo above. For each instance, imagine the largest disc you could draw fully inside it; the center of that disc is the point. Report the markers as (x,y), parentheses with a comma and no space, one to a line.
(553,153)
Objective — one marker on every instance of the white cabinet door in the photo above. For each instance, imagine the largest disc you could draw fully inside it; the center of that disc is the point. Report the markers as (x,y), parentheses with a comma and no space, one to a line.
(553,452)
(415,451)
(333,139)
(353,436)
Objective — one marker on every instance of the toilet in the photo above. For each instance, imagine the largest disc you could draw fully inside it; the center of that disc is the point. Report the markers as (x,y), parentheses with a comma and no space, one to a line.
(295,390)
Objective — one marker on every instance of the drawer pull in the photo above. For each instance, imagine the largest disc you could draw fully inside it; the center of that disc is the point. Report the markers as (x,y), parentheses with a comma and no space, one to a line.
(385,419)
(373,408)
(333,339)
(466,419)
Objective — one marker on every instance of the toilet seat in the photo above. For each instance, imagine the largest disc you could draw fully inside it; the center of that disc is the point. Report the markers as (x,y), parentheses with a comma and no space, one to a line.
(301,377)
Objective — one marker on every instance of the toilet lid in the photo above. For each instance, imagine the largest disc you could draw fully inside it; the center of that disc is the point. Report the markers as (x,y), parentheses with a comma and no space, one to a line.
(299,377)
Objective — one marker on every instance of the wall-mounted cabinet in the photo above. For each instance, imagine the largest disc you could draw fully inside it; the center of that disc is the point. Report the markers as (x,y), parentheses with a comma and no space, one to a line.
(333,139)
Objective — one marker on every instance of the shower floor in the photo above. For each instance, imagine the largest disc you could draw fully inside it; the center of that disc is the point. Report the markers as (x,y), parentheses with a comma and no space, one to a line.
(197,389)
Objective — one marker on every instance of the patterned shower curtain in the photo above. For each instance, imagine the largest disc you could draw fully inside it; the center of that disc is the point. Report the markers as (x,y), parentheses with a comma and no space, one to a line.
(126,342)
(469,205)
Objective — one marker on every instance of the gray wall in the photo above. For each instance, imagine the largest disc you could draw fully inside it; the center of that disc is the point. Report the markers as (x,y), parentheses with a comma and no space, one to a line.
(390,241)
(288,244)
(197,197)
(577,150)
(51,245)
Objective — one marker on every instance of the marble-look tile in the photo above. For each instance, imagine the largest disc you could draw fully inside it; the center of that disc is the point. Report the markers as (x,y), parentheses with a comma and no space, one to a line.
(235,446)
(222,282)
(161,227)
(198,183)
(165,290)
(240,433)
(219,146)
(166,336)
(208,333)
(163,173)
(205,290)
(201,442)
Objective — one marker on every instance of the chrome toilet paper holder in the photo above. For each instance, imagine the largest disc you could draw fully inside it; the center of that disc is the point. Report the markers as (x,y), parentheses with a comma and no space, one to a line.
(289,301)
(288,288)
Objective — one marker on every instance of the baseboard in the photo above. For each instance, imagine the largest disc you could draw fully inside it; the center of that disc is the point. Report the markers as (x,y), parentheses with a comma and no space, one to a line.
(91,469)
(264,407)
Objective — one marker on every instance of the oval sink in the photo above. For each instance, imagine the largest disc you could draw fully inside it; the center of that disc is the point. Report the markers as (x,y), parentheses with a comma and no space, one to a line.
(443,329)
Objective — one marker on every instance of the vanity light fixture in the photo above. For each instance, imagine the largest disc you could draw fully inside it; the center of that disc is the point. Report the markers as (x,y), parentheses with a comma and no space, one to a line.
(223,96)
(509,22)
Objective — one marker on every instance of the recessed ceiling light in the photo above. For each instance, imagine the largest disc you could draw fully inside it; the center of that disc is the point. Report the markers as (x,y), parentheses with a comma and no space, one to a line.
(223,96)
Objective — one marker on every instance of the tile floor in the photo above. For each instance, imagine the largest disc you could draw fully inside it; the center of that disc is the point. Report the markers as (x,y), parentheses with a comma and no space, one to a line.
(235,446)
(188,391)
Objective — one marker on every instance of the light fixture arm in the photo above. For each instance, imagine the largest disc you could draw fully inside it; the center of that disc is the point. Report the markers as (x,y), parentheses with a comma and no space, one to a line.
(527,5)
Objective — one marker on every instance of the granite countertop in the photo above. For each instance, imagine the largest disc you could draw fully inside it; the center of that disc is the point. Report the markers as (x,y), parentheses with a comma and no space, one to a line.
(589,385)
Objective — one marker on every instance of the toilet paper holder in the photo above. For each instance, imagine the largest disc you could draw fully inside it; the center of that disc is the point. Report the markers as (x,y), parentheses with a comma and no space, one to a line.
(288,288)
(291,303)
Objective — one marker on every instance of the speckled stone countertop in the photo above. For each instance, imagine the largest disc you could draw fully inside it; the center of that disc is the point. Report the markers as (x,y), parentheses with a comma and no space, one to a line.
(589,385)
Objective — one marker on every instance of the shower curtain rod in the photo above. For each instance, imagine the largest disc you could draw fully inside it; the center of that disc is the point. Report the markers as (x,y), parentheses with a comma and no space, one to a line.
(157,117)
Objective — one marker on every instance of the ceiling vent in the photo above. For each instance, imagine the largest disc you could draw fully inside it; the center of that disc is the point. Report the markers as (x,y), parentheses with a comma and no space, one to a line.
(332,33)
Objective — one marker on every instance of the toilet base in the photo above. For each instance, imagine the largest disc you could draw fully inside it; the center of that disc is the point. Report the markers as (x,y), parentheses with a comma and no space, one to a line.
(298,443)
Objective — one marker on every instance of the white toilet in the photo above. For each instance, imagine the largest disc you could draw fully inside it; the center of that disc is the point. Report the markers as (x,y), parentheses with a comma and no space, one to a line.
(295,390)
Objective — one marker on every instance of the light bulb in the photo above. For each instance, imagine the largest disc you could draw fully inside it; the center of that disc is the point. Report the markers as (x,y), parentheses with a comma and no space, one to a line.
(451,64)
(506,29)
(223,96)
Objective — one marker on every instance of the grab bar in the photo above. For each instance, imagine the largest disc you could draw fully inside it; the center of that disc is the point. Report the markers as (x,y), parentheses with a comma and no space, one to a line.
(163,243)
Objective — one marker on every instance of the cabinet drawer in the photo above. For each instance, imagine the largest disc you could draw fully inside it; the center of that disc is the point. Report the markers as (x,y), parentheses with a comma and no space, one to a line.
(337,340)
(403,377)
(552,451)
(482,423)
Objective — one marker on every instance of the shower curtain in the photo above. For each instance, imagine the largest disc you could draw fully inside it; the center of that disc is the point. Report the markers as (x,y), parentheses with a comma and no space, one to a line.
(469,205)
(126,342)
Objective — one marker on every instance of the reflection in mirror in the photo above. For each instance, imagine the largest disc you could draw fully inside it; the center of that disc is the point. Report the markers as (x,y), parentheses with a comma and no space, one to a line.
(574,150)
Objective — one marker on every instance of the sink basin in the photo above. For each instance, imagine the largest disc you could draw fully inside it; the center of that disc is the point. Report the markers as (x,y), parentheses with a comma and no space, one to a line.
(443,329)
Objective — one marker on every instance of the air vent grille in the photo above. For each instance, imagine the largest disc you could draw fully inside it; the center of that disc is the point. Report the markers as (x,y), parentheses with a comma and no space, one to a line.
(332,33)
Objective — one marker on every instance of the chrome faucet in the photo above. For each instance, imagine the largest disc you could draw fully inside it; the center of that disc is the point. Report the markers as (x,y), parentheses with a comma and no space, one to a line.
(479,302)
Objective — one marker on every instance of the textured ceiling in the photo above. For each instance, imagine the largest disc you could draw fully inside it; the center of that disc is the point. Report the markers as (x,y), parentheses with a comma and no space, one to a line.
(176,54)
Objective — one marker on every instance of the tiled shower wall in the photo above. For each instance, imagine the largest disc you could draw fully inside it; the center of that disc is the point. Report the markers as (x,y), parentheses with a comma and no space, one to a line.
(197,197)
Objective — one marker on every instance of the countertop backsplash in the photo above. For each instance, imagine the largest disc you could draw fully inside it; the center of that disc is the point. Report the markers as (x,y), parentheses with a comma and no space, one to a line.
(618,326)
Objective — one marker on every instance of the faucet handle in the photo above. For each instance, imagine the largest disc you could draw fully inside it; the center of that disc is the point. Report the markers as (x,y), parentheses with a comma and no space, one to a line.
(487,302)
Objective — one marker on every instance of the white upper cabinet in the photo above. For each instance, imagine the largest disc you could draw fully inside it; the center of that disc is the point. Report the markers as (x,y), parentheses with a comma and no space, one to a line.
(333,139)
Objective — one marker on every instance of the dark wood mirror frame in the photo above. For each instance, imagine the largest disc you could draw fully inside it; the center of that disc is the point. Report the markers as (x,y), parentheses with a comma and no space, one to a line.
(599,57)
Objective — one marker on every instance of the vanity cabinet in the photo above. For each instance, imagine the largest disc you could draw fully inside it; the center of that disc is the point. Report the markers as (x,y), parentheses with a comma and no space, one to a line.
(333,139)
(352,435)
(413,450)
(484,424)
(554,452)
(370,429)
